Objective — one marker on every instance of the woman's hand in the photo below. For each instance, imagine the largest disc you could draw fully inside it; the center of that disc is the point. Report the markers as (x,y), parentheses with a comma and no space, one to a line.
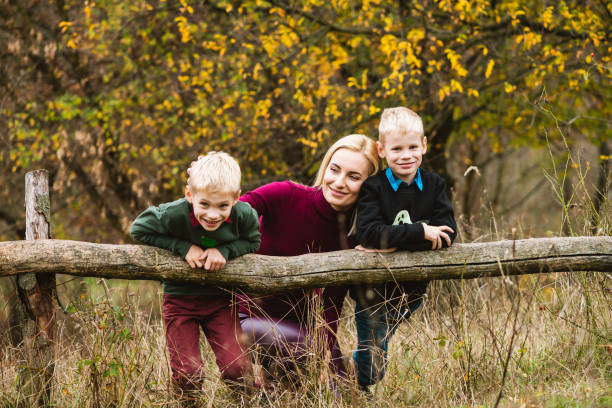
(364,249)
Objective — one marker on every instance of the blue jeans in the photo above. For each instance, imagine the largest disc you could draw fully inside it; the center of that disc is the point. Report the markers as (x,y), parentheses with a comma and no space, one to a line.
(376,324)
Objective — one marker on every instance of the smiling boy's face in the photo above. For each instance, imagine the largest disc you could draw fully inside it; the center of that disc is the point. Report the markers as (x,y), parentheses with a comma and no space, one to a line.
(404,153)
(211,208)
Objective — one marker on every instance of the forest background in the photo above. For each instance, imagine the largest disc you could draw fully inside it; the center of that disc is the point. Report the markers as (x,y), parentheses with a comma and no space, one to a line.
(115,99)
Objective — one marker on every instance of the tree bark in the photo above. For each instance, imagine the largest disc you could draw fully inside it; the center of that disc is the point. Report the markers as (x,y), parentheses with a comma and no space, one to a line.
(34,313)
(602,188)
(269,274)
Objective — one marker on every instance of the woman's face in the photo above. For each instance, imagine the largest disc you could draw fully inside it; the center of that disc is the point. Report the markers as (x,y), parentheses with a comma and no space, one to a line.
(344,175)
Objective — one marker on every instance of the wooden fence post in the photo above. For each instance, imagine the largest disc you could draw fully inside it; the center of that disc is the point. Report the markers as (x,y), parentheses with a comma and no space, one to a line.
(36,308)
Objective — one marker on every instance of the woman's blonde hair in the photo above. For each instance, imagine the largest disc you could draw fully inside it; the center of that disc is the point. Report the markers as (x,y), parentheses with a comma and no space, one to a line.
(356,143)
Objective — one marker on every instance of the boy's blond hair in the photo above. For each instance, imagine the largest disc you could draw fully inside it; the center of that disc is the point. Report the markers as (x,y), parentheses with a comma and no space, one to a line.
(399,120)
(217,171)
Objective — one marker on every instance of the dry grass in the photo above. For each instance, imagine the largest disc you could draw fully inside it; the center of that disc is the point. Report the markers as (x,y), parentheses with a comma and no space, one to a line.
(541,340)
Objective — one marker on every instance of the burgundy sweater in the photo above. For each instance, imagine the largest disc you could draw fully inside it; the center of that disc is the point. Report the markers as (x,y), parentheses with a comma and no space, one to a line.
(295,220)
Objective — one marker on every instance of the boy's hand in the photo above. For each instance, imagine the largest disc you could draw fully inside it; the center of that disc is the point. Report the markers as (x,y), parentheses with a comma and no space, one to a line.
(214,260)
(194,256)
(437,234)
(364,249)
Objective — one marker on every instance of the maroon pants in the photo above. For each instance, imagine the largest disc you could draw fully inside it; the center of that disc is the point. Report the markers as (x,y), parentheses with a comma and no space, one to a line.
(183,317)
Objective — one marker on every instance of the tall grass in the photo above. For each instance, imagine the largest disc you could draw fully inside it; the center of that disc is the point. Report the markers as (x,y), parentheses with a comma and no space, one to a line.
(521,341)
(528,341)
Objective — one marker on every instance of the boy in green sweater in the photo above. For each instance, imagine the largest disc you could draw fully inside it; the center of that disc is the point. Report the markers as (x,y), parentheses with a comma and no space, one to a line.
(206,228)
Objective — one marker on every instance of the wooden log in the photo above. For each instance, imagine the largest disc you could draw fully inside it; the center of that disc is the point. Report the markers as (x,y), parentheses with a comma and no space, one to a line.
(268,274)
(35,311)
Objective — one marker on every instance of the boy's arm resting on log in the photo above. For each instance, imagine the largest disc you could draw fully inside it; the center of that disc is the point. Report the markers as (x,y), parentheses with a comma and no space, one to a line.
(152,227)
(248,231)
(373,231)
(270,274)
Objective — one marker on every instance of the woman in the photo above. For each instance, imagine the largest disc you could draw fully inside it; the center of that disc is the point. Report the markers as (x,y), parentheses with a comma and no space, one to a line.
(296,220)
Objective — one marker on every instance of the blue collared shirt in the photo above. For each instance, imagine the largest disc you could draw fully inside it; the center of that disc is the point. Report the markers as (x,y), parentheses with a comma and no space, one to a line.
(396,182)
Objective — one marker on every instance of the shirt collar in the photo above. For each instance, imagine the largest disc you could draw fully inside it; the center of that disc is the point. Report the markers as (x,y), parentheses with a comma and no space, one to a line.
(396,182)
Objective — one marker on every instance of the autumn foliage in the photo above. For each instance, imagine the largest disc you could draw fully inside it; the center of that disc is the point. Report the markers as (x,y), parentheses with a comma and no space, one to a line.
(115,98)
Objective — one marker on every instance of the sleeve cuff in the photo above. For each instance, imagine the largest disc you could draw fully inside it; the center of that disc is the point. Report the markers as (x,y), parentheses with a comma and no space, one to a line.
(224,251)
(183,248)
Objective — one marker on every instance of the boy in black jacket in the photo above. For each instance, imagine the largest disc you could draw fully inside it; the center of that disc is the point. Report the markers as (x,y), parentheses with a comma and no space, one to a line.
(405,208)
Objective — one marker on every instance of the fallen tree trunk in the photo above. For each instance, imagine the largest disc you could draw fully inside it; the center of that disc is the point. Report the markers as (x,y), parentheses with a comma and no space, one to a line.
(268,274)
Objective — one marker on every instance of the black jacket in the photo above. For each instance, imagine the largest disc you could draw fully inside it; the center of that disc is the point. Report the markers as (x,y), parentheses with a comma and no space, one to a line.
(379,206)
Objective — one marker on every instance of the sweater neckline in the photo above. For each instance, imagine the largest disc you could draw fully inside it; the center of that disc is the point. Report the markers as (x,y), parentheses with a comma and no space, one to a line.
(323,207)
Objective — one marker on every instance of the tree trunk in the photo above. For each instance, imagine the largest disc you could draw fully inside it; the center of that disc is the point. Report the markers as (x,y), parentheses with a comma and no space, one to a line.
(35,312)
(602,188)
(268,274)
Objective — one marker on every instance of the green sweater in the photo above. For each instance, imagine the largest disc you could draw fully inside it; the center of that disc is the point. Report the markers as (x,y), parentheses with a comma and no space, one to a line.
(173,226)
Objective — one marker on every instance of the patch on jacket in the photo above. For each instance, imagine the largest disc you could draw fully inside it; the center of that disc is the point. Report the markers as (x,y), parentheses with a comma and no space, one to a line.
(208,242)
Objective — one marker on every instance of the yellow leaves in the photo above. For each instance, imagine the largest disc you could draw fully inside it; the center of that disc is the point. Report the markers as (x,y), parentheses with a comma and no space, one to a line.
(310,143)
(388,44)
(454,58)
(331,109)
(515,14)
(356,41)
(270,45)
(563,10)
(388,23)
(65,25)
(340,55)
(529,39)
(262,108)
(287,37)
(416,34)
(455,86)
(186,7)
(362,84)
(595,39)
(323,90)
(444,92)
(473,92)
(411,59)
(489,69)
(256,70)
(433,65)
(183,27)
(547,16)
(277,10)
(509,88)
(445,5)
